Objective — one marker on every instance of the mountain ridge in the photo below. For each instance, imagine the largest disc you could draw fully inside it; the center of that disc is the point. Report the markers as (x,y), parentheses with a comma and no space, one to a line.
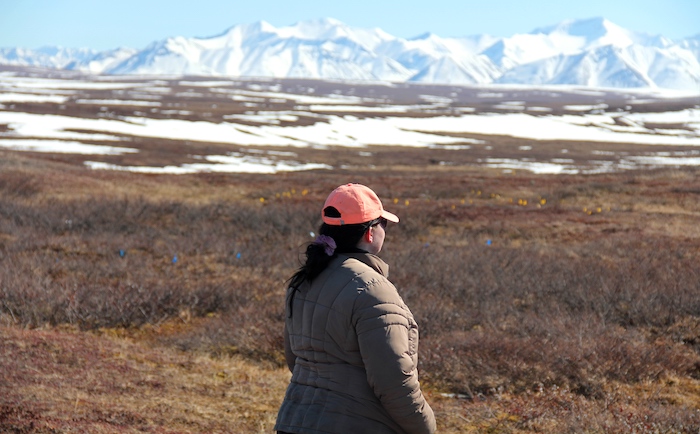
(586,52)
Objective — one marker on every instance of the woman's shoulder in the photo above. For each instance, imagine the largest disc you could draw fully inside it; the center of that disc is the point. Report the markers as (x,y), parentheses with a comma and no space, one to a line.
(363,262)
(367,275)
(372,287)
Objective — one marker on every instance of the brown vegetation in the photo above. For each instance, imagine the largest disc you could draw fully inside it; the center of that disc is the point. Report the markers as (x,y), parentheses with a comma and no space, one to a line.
(140,303)
(143,303)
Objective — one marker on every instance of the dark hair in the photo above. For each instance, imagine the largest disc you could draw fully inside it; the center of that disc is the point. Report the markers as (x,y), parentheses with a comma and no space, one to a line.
(346,238)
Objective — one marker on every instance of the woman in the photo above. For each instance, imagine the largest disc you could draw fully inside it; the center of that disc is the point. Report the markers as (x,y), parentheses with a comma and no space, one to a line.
(350,341)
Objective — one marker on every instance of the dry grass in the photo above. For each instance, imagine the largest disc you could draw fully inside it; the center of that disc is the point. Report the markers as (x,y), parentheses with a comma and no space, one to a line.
(580,314)
(63,381)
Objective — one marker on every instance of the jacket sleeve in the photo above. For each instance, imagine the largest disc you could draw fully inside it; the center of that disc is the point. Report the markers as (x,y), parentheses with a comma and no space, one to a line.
(388,341)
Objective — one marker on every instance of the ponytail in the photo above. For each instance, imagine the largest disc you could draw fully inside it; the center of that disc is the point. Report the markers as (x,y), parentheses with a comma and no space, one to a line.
(331,241)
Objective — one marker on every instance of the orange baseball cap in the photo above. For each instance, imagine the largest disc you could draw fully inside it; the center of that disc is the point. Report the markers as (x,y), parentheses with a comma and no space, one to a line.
(356,204)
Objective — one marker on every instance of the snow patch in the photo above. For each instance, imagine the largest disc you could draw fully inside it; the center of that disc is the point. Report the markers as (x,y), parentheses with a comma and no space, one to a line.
(63,147)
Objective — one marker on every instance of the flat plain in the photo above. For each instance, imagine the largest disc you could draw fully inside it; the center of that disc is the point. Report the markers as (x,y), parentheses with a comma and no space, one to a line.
(548,247)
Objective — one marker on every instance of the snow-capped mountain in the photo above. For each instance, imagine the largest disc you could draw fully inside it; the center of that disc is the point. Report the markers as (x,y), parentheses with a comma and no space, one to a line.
(48,57)
(692,44)
(590,52)
(605,66)
(102,61)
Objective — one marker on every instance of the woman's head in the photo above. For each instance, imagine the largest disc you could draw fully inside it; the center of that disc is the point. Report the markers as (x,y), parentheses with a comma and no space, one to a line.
(353,218)
(353,213)
(354,204)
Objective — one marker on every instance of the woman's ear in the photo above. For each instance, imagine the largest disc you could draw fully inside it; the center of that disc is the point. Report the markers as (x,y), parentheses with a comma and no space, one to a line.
(368,235)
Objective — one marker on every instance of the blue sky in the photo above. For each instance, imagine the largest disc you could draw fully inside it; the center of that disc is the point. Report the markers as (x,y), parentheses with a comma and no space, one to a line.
(103,24)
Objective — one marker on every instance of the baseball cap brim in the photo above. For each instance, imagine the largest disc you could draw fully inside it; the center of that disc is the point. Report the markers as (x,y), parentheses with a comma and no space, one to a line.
(389,216)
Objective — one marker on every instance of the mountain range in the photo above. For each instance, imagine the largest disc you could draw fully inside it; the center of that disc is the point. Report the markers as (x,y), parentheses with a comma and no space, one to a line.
(590,52)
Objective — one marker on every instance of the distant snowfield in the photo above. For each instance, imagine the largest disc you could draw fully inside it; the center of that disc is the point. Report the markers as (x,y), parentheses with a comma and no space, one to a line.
(48,133)
(350,131)
(216,163)
(63,147)
(59,84)
(28,97)
(338,123)
(118,102)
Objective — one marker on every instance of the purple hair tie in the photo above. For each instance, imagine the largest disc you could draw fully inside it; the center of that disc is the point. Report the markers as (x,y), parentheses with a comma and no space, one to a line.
(327,242)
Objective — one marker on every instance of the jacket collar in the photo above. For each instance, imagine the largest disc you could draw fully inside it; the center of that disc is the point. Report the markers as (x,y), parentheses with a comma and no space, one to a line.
(373,261)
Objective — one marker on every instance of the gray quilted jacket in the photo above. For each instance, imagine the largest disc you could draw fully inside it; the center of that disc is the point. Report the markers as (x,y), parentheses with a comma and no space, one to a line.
(351,344)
